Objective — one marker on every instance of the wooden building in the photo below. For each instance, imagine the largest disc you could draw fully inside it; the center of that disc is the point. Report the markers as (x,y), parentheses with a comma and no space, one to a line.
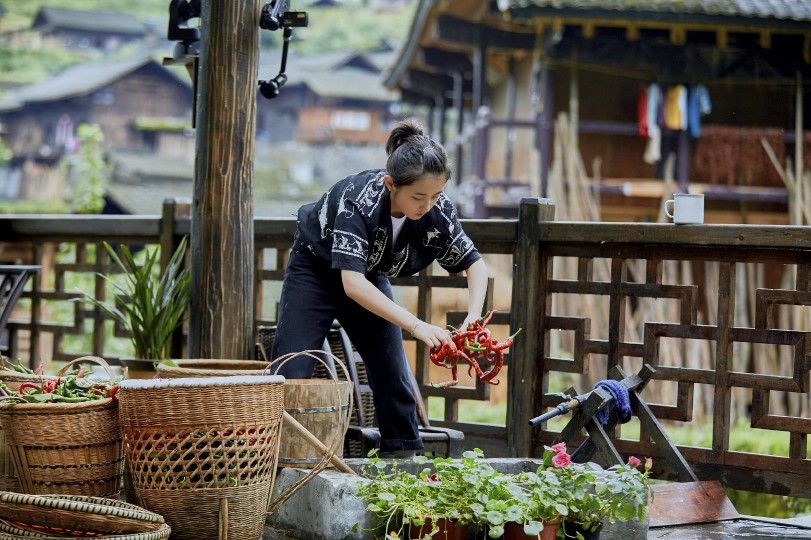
(128,99)
(329,98)
(499,75)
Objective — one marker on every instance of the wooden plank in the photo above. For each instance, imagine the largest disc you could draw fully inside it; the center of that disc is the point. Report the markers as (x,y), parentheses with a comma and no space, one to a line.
(690,502)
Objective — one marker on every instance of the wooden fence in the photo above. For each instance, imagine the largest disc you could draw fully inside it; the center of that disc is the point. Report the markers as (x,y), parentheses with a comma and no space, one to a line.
(699,303)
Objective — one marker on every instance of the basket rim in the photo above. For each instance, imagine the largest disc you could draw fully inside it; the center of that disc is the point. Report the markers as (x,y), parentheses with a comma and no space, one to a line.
(9,407)
(10,530)
(8,375)
(234,380)
(78,504)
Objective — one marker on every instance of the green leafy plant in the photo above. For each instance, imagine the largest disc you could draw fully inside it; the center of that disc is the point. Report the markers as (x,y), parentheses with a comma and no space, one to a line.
(448,489)
(150,305)
(593,495)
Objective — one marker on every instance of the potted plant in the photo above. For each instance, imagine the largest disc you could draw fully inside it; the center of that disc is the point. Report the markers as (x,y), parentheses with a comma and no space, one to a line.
(155,303)
(521,506)
(596,495)
(435,503)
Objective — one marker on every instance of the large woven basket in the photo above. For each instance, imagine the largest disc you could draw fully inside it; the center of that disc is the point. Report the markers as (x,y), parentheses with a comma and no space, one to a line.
(202,451)
(211,368)
(66,448)
(74,515)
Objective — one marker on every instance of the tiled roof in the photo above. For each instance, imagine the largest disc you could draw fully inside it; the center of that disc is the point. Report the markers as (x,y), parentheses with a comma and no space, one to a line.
(78,80)
(797,10)
(89,21)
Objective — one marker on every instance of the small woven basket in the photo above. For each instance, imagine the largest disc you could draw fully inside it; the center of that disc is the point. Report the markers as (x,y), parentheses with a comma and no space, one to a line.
(202,450)
(66,448)
(211,368)
(72,515)
(13,379)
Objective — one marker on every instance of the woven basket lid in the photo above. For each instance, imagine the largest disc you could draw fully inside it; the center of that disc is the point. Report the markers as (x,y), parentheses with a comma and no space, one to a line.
(12,531)
(77,513)
(236,380)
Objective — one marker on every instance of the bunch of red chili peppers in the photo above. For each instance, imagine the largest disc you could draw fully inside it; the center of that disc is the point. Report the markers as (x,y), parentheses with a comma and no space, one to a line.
(470,344)
(71,388)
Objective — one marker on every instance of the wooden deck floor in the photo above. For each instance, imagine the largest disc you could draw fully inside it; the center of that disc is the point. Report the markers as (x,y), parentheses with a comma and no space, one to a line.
(748,528)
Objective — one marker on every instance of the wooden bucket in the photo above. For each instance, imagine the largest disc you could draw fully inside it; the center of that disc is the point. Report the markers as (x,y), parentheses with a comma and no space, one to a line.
(321,406)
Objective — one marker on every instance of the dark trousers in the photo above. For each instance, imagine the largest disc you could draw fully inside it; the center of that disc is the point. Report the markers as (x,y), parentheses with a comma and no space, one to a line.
(312,297)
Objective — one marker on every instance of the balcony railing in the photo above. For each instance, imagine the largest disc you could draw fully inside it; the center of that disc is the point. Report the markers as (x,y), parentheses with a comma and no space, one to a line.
(720,311)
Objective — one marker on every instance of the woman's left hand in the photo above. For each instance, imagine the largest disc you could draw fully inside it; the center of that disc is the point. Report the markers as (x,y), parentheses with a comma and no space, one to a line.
(470,319)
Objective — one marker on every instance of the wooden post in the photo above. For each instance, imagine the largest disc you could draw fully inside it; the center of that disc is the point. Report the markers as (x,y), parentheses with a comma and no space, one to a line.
(525,385)
(222,252)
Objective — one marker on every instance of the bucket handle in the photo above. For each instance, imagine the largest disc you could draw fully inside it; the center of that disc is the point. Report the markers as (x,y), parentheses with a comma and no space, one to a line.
(274,505)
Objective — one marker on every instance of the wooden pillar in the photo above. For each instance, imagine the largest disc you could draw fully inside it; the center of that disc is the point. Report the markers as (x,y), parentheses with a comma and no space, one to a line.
(529,304)
(459,106)
(545,126)
(480,146)
(222,253)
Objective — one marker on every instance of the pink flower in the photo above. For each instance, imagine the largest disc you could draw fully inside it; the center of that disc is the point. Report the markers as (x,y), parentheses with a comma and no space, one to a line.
(634,461)
(560,447)
(561,459)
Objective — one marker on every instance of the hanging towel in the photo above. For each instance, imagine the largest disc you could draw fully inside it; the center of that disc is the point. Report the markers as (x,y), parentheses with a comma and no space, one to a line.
(676,108)
(622,402)
(653,148)
(642,111)
(698,106)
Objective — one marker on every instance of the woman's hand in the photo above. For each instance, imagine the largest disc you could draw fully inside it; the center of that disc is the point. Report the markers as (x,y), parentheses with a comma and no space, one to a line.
(431,335)
(470,319)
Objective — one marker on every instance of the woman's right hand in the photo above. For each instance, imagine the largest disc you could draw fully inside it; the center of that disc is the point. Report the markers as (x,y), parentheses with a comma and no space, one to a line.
(432,336)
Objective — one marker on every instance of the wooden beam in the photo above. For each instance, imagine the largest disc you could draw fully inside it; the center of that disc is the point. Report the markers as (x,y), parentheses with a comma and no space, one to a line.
(446,60)
(222,238)
(468,33)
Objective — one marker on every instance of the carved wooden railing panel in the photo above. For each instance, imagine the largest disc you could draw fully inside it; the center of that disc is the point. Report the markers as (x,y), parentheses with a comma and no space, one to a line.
(723,251)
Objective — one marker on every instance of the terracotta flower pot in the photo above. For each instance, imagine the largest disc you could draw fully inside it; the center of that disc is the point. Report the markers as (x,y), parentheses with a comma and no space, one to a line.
(515,531)
(449,529)
(570,531)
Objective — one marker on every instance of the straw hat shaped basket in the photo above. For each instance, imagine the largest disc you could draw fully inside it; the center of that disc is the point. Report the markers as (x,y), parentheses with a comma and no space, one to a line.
(76,516)
(66,448)
(8,531)
(202,450)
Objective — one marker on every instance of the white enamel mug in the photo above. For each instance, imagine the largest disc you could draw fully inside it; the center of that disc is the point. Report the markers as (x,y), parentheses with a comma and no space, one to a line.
(685,208)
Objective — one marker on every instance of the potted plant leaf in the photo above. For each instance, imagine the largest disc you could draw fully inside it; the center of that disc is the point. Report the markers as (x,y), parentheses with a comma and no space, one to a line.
(435,503)
(150,304)
(595,495)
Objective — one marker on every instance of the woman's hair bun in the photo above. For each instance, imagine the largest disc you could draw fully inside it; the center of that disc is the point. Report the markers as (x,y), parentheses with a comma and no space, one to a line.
(401,133)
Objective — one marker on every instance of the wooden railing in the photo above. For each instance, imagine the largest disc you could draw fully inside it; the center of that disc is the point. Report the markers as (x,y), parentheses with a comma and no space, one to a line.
(686,300)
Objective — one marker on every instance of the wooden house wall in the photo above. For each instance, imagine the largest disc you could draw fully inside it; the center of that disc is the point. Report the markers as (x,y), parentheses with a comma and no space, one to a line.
(113,108)
(314,126)
(525,160)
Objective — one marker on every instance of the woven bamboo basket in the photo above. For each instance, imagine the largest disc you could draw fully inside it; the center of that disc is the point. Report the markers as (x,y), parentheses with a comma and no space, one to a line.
(211,368)
(202,451)
(13,379)
(66,448)
(10,531)
(73,515)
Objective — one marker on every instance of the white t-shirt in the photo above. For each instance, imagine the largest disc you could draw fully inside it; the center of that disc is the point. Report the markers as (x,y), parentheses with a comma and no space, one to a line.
(396,226)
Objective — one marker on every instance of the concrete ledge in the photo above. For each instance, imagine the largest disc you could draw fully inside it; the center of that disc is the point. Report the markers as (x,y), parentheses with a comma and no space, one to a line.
(325,508)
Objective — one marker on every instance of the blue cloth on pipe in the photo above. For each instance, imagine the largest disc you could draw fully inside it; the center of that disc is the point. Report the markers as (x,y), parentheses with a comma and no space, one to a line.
(622,402)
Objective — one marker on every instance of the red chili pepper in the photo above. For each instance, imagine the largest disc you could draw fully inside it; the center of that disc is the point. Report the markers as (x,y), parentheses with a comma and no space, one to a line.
(26,385)
(49,385)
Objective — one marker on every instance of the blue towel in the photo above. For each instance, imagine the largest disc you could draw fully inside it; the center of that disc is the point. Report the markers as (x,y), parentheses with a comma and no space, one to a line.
(622,403)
